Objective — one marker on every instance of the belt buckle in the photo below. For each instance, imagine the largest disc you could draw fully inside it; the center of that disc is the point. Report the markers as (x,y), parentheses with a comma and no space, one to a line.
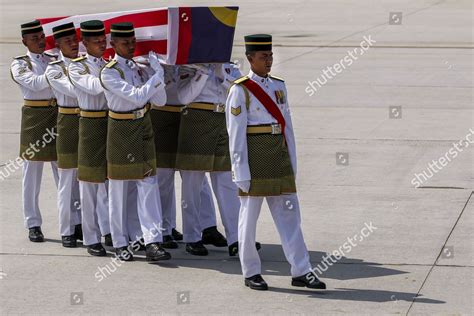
(276,129)
(53,102)
(220,108)
(137,114)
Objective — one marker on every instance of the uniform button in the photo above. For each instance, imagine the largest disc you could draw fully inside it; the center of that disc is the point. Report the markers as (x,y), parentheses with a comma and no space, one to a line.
(263,80)
(258,109)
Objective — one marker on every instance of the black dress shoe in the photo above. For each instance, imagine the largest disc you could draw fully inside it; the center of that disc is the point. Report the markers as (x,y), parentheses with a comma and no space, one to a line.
(308,280)
(123,254)
(96,250)
(69,241)
(211,236)
(35,234)
(256,282)
(234,248)
(196,248)
(176,235)
(154,252)
(108,240)
(78,232)
(169,243)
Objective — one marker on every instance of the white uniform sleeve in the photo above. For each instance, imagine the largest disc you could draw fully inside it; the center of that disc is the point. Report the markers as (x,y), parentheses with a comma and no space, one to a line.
(26,77)
(236,119)
(159,98)
(137,97)
(289,134)
(232,76)
(84,80)
(59,80)
(189,88)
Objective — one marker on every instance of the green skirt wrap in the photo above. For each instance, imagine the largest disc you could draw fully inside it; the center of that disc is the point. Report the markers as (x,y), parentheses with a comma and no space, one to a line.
(203,142)
(271,171)
(92,163)
(68,140)
(166,129)
(38,133)
(130,149)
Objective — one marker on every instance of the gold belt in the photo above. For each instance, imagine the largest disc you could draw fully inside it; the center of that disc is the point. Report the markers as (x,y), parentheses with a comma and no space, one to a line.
(168,108)
(93,114)
(69,110)
(137,114)
(264,129)
(216,107)
(40,103)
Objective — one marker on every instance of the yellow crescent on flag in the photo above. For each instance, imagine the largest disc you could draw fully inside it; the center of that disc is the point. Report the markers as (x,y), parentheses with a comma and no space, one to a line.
(225,15)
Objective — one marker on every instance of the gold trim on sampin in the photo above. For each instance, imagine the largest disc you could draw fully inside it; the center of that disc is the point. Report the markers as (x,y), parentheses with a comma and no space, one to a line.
(93,114)
(39,103)
(69,111)
(60,31)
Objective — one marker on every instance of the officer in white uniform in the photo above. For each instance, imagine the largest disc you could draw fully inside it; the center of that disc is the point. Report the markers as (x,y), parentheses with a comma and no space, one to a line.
(92,166)
(39,105)
(262,148)
(68,123)
(204,88)
(166,121)
(130,144)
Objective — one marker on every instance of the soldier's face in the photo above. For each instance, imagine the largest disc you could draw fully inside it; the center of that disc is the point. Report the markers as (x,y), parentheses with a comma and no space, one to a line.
(69,45)
(95,45)
(261,62)
(36,42)
(124,46)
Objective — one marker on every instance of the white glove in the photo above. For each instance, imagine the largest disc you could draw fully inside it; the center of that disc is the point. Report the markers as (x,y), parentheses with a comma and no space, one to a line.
(221,72)
(155,64)
(203,69)
(243,185)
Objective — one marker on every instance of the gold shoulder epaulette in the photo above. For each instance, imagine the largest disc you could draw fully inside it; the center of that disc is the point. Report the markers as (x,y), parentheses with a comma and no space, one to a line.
(21,57)
(241,79)
(111,63)
(56,62)
(277,78)
(79,58)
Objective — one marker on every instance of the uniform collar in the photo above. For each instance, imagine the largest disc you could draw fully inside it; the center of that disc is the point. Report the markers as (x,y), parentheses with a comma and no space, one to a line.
(66,60)
(123,61)
(34,55)
(98,61)
(257,78)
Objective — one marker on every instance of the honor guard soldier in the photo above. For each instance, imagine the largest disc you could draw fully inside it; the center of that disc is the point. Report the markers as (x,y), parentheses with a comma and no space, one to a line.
(263,153)
(38,122)
(130,144)
(92,165)
(203,147)
(165,120)
(68,134)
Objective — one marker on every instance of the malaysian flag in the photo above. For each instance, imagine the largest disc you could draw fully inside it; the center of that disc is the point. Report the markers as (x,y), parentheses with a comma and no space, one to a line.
(179,35)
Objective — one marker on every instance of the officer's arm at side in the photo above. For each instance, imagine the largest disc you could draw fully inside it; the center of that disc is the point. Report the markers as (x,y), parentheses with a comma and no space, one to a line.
(27,78)
(114,83)
(289,134)
(83,80)
(236,119)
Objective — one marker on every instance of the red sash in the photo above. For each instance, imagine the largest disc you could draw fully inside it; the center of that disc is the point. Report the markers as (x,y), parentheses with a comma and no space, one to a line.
(267,102)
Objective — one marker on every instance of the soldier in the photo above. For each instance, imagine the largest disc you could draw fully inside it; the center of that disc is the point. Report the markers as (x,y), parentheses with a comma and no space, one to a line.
(263,152)
(92,165)
(131,154)
(68,134)
(166,121)
(38,122)
(203,147)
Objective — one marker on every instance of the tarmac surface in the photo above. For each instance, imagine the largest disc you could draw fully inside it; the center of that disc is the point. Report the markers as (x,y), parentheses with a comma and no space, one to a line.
(362,137)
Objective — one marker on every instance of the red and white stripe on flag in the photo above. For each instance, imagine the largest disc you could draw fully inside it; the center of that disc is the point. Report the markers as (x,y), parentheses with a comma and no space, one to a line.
(151,30)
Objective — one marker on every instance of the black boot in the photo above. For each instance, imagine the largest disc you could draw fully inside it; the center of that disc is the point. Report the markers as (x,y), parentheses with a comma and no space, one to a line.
(69,241)
(196,248)
(211,236)
(309,280)
(35,234)
(256,282)
(123,254)
(154,252)
(96,250)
